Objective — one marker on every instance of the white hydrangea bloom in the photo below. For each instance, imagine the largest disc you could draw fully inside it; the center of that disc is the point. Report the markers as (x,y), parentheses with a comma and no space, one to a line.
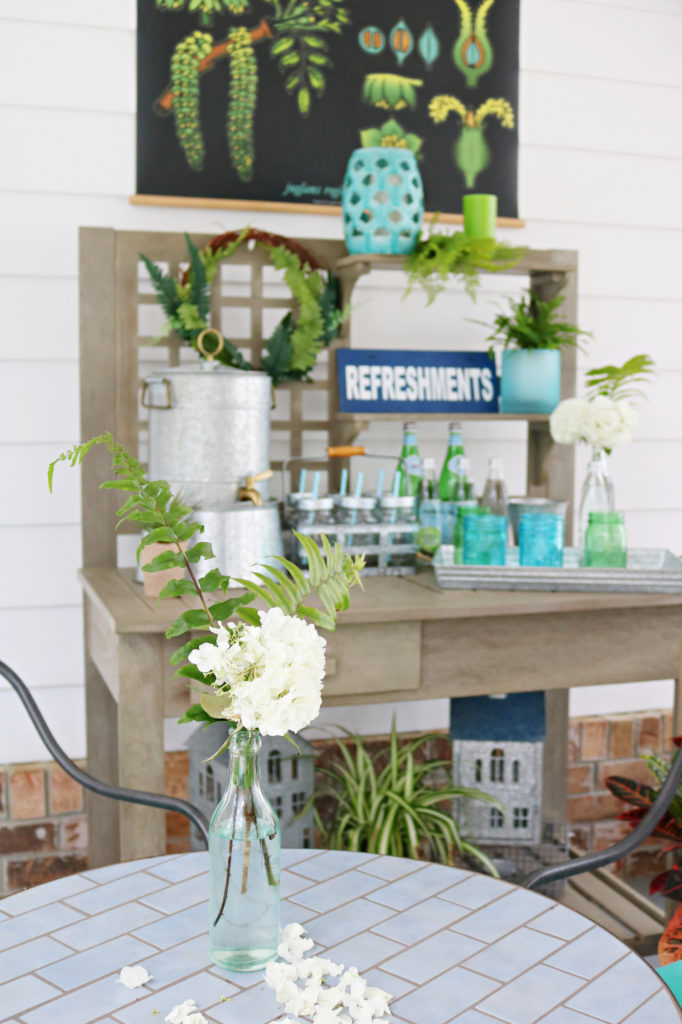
(568,422)
(609,423)
(272,673)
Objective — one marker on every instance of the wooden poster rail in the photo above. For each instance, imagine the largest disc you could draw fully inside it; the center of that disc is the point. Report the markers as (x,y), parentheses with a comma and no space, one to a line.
(266,206)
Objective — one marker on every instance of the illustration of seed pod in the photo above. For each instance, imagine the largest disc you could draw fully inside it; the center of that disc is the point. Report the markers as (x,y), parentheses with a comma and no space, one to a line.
(242,101)
(184,80)
(371,39)
(429,46)
(473,52)
(402,42)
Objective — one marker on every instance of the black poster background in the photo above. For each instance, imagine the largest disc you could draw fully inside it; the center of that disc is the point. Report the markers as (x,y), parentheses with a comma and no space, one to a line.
(315,150)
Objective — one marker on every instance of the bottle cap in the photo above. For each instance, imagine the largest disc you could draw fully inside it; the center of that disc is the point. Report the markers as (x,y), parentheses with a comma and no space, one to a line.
(410,426)
(455,427)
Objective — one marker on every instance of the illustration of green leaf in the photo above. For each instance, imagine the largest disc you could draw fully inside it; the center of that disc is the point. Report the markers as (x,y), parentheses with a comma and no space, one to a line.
(316,79)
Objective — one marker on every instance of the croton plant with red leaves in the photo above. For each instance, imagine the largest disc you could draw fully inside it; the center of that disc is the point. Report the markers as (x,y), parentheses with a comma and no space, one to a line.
(669,882)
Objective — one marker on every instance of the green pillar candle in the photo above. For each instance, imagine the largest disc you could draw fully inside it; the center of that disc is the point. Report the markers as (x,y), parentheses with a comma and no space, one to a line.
(480,212)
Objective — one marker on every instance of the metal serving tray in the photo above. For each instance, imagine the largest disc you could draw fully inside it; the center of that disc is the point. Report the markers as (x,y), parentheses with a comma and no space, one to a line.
(648,571)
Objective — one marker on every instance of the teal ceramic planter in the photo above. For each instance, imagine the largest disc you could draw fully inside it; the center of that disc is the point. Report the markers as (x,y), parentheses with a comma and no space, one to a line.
(531,380)
(382,201)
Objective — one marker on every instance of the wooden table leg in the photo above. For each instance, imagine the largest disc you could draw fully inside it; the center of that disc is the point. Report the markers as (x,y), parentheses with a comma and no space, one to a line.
(102,762)
(555,761)
(140,742)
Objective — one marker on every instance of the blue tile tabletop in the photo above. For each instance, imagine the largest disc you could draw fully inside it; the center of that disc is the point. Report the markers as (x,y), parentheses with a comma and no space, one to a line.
(451,947)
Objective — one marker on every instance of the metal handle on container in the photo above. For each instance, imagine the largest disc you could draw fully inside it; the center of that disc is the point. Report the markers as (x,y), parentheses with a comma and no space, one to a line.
(152,405)
(220,344)
(342,451)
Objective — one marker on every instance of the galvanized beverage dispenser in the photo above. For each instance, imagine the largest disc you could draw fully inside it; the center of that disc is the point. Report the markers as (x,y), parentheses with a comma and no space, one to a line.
(209,430)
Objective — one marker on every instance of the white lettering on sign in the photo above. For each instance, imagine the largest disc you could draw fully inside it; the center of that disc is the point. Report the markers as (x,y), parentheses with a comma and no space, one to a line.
(364,383)
(387,384)
(412,390)
(487,385)
(352,383)
(463,385)
(423,382)
(372,382)
(376,381)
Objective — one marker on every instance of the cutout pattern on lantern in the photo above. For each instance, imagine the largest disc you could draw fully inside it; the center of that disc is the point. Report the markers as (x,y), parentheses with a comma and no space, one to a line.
(382,201)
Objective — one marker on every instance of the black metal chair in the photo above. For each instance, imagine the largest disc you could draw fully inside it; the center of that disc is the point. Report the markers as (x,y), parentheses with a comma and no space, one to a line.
(591,861)
(133,796)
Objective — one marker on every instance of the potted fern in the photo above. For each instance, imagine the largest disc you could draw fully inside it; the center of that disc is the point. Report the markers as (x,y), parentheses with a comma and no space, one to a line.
(532,335)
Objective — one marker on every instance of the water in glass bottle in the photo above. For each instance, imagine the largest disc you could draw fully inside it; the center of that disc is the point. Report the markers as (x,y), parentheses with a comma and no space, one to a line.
(495,491)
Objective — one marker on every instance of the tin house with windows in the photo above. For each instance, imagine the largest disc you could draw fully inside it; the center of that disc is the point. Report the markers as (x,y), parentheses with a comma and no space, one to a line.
(497,746)
(288,780)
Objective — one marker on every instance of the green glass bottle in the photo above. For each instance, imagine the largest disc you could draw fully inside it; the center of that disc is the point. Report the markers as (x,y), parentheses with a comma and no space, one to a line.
(410,465)
(450,473)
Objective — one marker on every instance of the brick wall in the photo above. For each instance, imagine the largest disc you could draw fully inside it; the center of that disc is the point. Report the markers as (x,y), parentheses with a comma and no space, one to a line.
(597,748)
(43,830)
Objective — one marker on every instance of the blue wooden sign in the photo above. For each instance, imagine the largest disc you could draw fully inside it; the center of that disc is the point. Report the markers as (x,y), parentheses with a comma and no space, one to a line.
(376,380)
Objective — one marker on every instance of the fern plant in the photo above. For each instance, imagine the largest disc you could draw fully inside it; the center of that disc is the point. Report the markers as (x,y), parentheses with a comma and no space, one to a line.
(440,255)
(532,323)
(398,809)
(164,518)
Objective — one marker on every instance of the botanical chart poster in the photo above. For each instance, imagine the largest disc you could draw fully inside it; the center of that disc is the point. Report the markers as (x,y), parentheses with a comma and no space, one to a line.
(265,100)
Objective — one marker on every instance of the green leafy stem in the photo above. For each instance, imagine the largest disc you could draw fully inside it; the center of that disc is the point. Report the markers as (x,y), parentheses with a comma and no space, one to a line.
(440,255)
(164,518)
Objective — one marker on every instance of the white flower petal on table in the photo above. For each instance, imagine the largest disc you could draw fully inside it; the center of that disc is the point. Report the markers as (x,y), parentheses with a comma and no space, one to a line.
(186,1013)
(134,977)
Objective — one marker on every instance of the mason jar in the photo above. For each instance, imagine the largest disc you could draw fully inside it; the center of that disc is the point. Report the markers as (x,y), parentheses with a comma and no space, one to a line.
(605,541)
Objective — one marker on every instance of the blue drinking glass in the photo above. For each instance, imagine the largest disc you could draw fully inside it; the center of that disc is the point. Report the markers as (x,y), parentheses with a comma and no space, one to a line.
(541,539)
(484,540)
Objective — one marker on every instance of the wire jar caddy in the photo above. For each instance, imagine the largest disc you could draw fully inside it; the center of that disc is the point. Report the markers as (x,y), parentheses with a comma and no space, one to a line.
(380,526)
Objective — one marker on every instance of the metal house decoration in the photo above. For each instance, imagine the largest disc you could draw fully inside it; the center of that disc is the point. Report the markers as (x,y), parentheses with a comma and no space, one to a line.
(288,781)
(497,746)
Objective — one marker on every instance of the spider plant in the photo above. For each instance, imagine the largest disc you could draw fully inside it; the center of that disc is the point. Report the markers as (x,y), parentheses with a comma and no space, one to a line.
(395,808)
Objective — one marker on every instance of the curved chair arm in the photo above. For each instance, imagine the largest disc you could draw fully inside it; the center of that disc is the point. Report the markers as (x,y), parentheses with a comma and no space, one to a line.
(133,796)
(642,831)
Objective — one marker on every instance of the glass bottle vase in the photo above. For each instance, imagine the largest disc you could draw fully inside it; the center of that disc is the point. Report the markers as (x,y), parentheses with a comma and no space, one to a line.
(244,855)
(597,493)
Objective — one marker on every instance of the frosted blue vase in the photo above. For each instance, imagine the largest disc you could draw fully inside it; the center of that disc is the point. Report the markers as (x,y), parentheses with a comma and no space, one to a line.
(244,857)
(382,201)
(531,380)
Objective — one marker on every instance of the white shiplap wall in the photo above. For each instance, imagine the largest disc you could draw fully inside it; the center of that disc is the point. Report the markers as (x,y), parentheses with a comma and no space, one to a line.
(600,163)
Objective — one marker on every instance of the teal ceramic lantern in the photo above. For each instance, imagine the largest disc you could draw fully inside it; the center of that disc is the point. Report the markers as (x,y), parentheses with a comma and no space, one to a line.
(531,380)
(382,201)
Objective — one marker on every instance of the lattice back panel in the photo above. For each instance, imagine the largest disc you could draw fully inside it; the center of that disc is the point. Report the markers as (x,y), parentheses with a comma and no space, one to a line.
(120,317)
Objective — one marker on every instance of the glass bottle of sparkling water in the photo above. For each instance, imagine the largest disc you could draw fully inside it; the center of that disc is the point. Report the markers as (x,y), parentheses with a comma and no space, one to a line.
(244,854)
(410,465)
(464,486)
(430,511)
(495,491)
(450,473)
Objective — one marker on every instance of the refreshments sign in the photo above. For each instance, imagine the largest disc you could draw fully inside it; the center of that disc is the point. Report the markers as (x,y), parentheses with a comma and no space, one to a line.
(405,381)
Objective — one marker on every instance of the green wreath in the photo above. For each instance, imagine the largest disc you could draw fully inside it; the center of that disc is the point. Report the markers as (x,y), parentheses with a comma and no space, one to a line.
(293,348)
